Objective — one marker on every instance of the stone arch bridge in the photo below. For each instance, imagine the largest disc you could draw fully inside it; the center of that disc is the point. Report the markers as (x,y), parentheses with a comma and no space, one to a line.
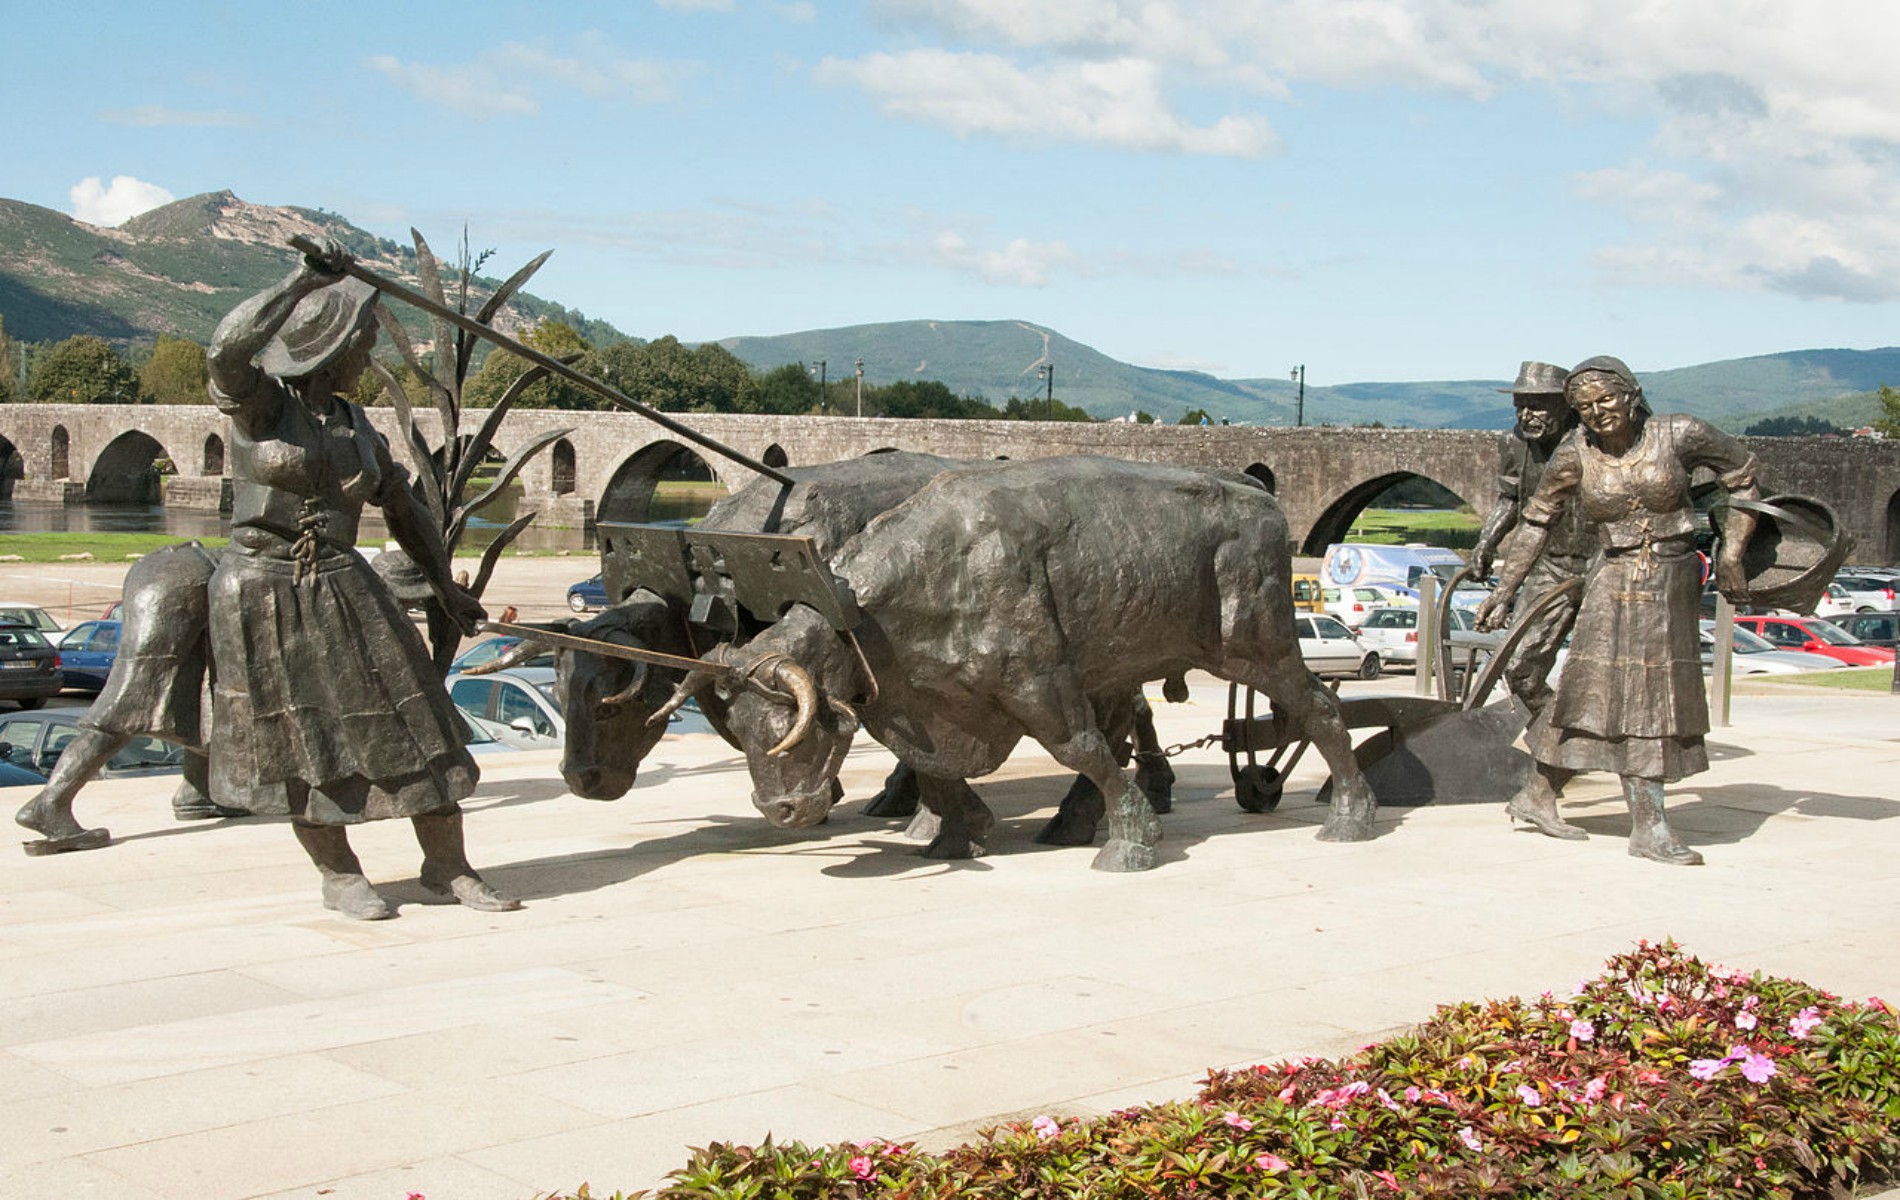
(610,465)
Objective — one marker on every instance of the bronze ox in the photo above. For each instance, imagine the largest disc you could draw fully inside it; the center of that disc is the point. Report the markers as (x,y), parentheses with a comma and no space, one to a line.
(1002,602)
(610,703)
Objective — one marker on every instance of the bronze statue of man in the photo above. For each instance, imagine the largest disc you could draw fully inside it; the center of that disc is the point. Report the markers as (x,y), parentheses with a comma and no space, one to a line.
(1543,418)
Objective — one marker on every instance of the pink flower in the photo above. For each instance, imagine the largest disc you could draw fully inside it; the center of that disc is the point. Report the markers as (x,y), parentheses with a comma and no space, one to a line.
(1270,1163)
(1803,1023)
(1593,1091)
(862,1168)
(1707,1068)
(1412,1094)
(1529,1095)
(1045,1128)
(1470,1139)
(1758,1068)
(1389,1179)
(415,1196)
(1745,1020)
(1582,1029)
(1236,1120)
(1287,1093)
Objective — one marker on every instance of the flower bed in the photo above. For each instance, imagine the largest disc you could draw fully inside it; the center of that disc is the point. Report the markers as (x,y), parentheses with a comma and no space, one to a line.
(1663,1077)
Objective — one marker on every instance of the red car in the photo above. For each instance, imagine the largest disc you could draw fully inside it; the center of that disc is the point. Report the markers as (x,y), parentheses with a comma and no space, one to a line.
(1817,636)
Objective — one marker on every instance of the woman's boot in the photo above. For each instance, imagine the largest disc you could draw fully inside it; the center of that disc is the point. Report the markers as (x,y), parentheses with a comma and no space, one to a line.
(445,869)
(344,887)
(1650,835)
(1536,803)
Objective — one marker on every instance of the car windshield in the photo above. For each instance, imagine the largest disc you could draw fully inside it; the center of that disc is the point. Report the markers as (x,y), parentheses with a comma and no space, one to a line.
(1391,618)
(553,696)
(1832,634)
(1750,643)
(20,635)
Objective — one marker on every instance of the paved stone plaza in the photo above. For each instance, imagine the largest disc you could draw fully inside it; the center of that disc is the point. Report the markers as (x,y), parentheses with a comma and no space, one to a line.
(182,1020)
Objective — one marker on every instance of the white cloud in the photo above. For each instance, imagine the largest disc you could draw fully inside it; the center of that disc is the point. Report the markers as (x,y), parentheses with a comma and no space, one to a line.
(511,79)
(110,204)
(1776,130)
(1018,263)
(1116,102)
(156,115)
(799,11)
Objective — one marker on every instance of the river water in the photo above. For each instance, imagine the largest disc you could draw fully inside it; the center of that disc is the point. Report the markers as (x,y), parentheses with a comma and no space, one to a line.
(17,516)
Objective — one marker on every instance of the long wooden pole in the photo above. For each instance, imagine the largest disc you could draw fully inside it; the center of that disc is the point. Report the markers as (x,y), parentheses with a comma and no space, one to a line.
(554,365)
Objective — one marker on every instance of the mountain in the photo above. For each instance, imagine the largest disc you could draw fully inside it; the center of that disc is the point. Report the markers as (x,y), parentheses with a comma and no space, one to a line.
(178,269)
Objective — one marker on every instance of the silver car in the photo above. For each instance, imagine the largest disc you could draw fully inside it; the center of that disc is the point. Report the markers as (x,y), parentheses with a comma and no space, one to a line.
(1329,648)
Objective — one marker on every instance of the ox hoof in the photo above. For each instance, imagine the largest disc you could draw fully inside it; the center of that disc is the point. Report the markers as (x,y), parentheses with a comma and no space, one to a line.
(948,846)
(1123,856)
(897,799)
(924,827)
(1346,828)
(1067,829)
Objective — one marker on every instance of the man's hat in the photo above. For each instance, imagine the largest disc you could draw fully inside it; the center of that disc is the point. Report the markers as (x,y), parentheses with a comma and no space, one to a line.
(1538,379)
(319,328)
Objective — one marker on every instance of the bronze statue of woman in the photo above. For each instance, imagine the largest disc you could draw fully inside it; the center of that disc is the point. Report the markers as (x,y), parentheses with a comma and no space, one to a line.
(1630,699)
(325,705)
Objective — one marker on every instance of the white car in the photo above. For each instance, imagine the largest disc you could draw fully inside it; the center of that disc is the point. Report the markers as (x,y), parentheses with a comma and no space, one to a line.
(1756,655)
(1393,631)
(521,699)
(1351,604)
(1834,603)
(1329,648)
(1870,593)
(13,612)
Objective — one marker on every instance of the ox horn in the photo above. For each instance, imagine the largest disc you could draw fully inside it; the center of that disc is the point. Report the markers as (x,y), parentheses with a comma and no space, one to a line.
(631,690)
(796,680)
(694,683)
(514,656)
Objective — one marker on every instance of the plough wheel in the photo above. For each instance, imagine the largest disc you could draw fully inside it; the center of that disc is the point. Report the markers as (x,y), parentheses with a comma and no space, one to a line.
(1258,786)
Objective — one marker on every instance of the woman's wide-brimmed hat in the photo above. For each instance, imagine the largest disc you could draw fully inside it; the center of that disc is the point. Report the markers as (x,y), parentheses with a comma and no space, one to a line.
(1793,553)
(1538,379)
(319,329)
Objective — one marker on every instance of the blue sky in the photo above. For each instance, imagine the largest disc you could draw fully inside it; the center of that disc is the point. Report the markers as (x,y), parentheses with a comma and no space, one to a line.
(1379,189)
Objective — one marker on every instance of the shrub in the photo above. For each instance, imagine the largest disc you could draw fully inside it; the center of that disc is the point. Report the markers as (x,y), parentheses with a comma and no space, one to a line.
(1663,1078)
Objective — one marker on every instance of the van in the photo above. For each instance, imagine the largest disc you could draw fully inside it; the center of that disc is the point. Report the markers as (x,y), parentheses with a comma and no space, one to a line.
(1306,594)
(1349,563)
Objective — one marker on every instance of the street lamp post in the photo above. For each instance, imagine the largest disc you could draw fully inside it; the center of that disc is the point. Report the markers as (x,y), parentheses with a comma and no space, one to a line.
(860,387)
(1047,373)
(1298,375)
(823,396)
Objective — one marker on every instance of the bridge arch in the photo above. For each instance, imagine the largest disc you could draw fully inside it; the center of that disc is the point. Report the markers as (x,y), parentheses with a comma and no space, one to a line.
(1262,472)
(127,470)
(775,456)
(1336,518)
(1891,530)
(630,493)
(213,455)
(561,467)
(12,466)
(60,450)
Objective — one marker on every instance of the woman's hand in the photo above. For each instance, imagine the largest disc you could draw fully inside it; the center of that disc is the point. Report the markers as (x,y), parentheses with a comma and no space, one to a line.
(1493,613)
(330,260)
(464,609)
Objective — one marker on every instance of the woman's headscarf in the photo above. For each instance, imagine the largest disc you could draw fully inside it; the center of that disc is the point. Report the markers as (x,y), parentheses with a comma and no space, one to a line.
(1604,364)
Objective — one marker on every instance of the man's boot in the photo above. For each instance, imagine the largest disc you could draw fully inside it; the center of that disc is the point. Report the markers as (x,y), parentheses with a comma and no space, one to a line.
(344,887)
(445,868)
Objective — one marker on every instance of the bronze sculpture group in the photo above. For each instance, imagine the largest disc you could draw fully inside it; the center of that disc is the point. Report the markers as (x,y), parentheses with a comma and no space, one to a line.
(325,706)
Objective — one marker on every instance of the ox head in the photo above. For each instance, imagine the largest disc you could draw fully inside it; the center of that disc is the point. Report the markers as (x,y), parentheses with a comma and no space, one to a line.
(782,695)
(610,702)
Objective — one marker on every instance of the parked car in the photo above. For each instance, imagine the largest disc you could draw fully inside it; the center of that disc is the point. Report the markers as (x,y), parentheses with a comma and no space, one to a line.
(490,649)
(15,613)
(36,740)
(1392,631)
(1869,593)
(1816,636)
(1351,604)
(1329,648)
(1755,655)
(29,666)
(520,698)
(1875,629)
(86,654)
(587,595)
(1834,602)
(12,774)
(483,736)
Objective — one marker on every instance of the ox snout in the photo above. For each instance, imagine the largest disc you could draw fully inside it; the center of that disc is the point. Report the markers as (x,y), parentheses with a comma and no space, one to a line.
(798,809)
(597,782)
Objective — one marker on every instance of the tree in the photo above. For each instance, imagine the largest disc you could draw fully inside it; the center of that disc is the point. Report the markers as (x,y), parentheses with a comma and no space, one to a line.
(664,374)
(500,369)
(175,374)
(1889,420)
(786,391)
(1195,416)
(1037,409)
(83,369)
(10,390)
(1793,427)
